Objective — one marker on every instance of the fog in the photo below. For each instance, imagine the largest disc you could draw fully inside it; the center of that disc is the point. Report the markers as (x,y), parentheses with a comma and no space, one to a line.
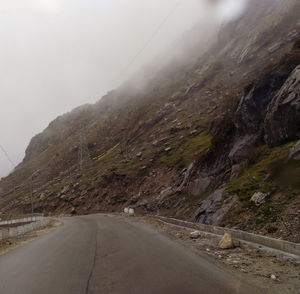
(58,54)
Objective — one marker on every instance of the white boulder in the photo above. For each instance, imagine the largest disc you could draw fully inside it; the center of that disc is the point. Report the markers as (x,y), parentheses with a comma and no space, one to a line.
(259,198)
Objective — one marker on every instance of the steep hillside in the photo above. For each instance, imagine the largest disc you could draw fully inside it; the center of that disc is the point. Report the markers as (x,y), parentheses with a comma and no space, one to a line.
(196,141)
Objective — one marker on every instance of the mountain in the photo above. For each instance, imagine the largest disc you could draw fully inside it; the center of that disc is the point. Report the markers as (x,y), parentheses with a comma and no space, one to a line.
(213,139)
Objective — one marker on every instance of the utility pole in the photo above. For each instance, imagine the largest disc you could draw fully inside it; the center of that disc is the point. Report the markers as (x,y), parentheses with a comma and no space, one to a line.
(31,197)
(84,158)
(31,194)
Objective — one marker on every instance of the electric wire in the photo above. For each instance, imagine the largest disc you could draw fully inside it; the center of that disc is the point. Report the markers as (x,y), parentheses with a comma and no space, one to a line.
(7,156)
(152,37)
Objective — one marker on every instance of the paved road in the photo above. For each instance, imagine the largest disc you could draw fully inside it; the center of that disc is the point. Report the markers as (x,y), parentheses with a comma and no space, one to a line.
(108,254)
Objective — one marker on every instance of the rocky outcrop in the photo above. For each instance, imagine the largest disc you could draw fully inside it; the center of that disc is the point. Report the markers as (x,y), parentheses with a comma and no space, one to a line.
(283,116)
(241,148)
(214,208)
(295,152)
(249,118)
(250,112)
(198,186)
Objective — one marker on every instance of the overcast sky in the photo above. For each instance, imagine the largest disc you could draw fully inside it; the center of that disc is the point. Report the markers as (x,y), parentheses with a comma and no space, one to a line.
(58,54)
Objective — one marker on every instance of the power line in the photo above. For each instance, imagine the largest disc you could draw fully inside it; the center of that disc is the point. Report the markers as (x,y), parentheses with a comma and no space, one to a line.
(7,156)
(152,37)
(84,159)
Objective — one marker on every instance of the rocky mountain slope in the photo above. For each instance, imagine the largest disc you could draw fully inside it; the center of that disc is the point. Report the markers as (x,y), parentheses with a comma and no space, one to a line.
(214,141)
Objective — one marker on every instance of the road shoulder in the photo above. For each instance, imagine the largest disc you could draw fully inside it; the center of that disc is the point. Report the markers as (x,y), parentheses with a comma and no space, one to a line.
(253,265)
(13,243)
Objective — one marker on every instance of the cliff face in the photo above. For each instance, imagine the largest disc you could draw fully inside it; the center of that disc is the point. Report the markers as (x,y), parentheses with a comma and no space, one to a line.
(196,141)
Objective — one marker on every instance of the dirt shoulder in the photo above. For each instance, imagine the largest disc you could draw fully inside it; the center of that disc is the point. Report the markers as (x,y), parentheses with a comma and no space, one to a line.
(271,273)
(12,243)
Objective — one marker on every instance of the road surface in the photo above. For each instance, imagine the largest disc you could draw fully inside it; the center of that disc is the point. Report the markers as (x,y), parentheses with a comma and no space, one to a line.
(111,255)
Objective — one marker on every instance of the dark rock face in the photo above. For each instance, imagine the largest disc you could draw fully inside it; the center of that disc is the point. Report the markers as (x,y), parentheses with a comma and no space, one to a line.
(213,209)
(249,118)
(282,123)
(198,186)
(241,148)
(250,111)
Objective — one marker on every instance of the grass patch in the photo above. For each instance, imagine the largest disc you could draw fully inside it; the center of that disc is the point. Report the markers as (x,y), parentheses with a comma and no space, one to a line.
(183,154)
(271,172)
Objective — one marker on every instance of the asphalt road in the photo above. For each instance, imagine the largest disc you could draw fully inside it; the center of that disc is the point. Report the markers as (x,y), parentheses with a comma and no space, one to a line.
(108,254)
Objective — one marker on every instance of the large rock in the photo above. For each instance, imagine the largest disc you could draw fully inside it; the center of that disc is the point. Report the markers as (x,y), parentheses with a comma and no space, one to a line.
(226,242)
(283,115)
(251,110)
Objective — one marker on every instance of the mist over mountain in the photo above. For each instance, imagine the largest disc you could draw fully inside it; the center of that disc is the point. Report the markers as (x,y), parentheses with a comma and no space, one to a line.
(56,55)
(206,129)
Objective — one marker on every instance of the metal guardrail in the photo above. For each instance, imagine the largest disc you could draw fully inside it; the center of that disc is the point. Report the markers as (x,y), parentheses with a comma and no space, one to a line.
(16,231)
(6,217)
(21,220)
(282,245)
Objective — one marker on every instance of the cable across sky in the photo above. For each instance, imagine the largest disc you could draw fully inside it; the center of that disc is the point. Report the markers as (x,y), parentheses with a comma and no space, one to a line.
(7,156)
(151,38)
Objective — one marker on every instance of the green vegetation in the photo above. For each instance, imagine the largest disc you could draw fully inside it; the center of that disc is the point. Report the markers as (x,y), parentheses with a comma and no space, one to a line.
(270,172)
(183,154)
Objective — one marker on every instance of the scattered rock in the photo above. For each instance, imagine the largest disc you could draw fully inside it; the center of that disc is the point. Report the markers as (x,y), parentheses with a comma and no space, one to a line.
(275,47)
(168,149)
(292,35)
(195,235)
(226,242)
(134,200)
(259,198)
(236,243)
(143,203)
(273,277)
(65,189)
(139,154)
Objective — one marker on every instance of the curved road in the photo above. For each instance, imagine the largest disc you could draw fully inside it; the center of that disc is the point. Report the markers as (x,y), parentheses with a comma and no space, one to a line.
(110,255)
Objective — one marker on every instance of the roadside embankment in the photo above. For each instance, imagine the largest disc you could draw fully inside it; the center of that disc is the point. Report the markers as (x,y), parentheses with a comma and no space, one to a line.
(10,228)
(277,244)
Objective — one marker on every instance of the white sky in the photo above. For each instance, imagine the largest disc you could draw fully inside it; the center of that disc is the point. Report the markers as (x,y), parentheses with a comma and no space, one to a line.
(58,54)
